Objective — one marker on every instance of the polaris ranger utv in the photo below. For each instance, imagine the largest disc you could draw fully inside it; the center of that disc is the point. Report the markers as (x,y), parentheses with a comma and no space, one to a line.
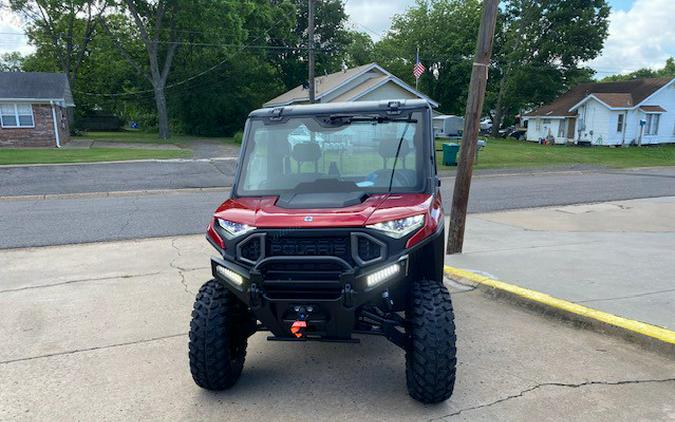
(334,228)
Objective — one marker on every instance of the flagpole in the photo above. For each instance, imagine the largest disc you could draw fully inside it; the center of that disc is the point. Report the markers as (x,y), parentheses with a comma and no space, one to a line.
(417,80)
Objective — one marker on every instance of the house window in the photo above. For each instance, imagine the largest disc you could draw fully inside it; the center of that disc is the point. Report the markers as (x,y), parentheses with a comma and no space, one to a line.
(652,126)
(619,124)
(561,129)
(547,121)
(16,115)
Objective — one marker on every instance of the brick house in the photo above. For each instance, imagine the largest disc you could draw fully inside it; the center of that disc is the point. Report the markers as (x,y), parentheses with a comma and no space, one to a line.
(33,109)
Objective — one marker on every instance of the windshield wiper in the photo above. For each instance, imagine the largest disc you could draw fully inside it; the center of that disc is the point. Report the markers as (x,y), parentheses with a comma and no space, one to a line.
(347,119)
(398,151)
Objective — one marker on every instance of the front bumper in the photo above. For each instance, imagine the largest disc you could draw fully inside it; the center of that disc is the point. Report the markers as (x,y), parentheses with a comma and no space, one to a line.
(330,307)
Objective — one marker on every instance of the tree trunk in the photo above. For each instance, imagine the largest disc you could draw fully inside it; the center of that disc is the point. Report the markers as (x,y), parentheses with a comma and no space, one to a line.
(162,114)
(499,108)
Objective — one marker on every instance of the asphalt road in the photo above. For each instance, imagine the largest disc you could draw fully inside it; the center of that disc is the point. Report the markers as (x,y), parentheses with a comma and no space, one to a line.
(41,222)
(114,177)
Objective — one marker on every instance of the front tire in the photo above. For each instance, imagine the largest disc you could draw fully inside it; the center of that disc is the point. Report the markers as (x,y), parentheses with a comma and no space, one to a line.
(218,337)
(431,360)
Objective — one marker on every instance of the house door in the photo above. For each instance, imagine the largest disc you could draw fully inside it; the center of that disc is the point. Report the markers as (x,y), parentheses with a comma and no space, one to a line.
(571,123)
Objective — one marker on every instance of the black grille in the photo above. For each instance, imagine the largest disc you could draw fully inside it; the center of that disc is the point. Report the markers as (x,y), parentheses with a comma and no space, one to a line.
(337,246)
(293,271)
(368,250)
(251,249)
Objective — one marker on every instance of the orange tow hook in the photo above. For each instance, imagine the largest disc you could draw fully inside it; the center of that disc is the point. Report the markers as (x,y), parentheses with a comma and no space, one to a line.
(297,328)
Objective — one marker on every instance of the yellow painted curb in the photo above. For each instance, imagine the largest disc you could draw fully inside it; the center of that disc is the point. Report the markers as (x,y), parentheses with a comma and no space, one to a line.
(659,333)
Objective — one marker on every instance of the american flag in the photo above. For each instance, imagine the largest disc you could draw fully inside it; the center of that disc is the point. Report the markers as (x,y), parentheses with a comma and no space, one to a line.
(418,69)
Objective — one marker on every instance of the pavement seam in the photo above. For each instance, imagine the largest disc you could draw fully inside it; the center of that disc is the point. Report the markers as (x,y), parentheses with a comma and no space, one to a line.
(648,331)
(81,280)
(656,292)
(90,349)
(477,251)
(554,384)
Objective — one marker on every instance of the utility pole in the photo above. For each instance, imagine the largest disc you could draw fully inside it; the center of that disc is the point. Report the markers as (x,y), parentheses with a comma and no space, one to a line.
(474,108)
(310,32)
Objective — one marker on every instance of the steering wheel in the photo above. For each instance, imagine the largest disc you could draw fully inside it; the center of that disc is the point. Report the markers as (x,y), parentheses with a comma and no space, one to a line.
(382,178)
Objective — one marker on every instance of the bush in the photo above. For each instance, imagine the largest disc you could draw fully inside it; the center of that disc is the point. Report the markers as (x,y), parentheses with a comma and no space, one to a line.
(238,137)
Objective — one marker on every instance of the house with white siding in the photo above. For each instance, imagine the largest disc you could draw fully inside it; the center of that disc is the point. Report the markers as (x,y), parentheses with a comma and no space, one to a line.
(635,112)
(370,82)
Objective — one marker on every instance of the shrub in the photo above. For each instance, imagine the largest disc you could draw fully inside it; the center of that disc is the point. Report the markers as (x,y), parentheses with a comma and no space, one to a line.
(238,137)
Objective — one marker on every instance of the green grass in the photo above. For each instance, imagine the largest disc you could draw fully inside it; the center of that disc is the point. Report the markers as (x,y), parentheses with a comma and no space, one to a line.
(139,137)
(509,153)
(53,155)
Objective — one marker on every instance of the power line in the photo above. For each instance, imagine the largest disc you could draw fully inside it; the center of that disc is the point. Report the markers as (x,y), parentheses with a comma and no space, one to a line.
(187,80)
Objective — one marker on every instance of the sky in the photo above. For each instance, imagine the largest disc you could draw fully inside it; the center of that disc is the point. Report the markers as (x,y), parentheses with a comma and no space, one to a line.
(641,32)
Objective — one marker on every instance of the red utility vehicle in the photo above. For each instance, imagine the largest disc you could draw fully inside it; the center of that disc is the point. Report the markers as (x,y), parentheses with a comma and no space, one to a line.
(334,228)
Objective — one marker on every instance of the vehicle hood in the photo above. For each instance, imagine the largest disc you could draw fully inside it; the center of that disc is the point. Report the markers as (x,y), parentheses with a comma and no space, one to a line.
(263,212)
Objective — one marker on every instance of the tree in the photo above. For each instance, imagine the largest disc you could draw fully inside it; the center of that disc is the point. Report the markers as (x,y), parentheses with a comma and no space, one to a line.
(331,35)
(232,41)
(360,49)
(445,32)
(160,27)
(61,30)
(11,62)
(540,47)
(668,71)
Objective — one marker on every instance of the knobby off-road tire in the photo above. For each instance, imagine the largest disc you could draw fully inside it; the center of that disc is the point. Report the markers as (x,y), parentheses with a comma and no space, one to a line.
(431,359)
(218,337)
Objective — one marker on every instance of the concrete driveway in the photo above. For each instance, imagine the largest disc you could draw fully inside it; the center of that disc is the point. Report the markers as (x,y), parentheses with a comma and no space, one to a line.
(98,331)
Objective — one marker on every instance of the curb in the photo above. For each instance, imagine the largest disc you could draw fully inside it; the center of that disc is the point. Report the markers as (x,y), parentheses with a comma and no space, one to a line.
(144,160)
(650,336)
(83,195)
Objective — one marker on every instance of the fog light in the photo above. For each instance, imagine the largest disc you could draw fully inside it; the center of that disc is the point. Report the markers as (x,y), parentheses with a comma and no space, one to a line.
(230,275)
(382,275)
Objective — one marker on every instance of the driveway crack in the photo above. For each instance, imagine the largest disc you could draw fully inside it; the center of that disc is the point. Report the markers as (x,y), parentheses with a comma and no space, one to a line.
(181,271)
(79,280)
(553,384)
(90,349)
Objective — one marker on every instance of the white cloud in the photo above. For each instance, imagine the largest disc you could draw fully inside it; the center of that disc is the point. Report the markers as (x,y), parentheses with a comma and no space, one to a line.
(10,34)
(643,36)
(374,16)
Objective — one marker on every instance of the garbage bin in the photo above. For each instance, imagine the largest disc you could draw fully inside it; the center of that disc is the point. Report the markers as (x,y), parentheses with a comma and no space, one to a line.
(450,154)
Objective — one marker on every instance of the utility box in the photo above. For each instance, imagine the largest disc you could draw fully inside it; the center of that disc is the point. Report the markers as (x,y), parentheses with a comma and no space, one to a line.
(450,151)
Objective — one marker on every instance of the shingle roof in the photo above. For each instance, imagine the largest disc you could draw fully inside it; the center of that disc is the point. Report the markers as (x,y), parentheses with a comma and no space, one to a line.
(322,85)
(374,75)
(346,96)
(614,94)
(653,108)
(614,99)
(35,85)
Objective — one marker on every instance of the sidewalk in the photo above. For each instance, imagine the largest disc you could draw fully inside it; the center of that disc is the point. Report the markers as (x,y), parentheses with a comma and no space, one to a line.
(615,257)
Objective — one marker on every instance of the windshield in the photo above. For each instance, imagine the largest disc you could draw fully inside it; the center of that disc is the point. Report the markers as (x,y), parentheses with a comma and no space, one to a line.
(339,153)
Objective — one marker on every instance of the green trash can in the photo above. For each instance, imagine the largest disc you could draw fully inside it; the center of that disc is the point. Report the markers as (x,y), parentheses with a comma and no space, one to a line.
(450,154)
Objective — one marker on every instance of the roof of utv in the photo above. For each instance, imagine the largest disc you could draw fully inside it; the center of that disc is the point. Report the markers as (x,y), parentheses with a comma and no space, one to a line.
(339,108)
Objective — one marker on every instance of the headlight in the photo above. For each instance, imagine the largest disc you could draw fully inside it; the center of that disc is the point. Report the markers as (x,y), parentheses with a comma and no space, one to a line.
(399,228)
(233,229)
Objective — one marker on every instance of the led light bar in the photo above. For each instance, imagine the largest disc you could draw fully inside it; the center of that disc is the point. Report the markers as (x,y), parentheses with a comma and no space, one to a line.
(382,275)
(230,275)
